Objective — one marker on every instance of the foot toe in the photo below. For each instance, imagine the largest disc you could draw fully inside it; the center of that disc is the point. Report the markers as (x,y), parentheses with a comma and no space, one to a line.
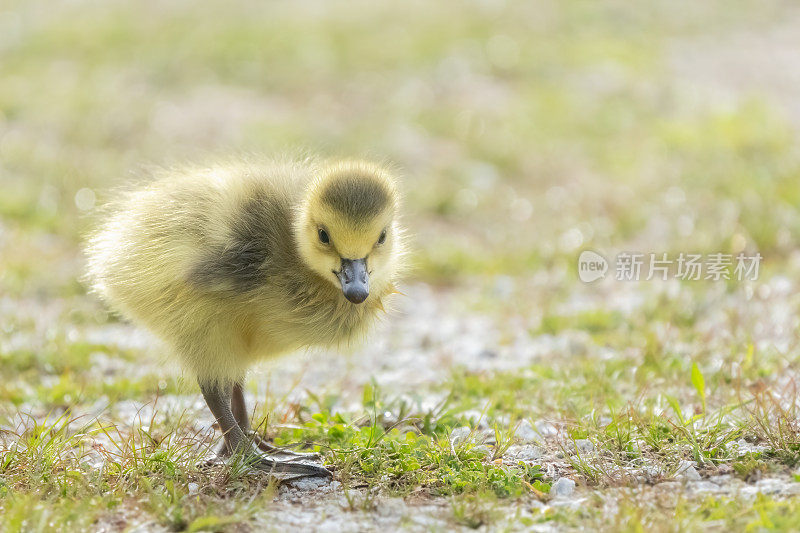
(291,466)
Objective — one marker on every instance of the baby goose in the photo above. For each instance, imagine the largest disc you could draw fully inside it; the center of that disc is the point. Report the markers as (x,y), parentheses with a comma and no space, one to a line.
(244,261)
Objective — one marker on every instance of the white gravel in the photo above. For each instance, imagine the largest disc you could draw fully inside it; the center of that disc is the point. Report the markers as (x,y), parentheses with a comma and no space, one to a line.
(562,487)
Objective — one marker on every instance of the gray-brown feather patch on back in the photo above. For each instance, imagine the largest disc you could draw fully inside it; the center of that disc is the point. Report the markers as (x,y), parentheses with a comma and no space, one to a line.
(356,197)
(261,243)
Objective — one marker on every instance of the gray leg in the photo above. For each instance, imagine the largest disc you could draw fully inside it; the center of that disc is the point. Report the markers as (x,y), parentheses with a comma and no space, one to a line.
(218,399)
(239,409)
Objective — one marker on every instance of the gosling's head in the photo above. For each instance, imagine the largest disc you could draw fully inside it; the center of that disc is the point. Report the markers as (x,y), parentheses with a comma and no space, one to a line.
(347,230)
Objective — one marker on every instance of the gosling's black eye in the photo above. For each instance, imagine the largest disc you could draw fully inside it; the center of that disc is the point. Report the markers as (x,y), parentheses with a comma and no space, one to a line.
(382,238)
(323,236)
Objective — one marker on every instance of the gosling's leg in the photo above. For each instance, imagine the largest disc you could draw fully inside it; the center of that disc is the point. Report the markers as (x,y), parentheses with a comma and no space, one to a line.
(239,409)
(218,399)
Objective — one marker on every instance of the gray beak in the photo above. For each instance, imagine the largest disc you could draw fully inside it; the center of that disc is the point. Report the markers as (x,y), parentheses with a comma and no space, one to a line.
(354,279)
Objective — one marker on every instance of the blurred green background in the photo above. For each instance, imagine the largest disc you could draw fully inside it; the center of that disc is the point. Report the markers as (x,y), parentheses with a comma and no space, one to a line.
(525,131)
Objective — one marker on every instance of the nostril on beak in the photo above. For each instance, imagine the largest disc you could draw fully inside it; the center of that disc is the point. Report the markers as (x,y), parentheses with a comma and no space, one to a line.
(354,279)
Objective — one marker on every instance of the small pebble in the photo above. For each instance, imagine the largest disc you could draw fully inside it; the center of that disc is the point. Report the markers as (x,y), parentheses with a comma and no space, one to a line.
(724,469)
(529,453)
(546,428)
(771,486)
(487,436)
(459,435)
(487,354)
(669,486)
(526,433)
(703,486)
(563,487)
(309,483)
(687,471)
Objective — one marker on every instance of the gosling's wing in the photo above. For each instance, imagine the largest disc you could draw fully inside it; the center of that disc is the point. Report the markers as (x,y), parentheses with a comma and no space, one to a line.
(258,246)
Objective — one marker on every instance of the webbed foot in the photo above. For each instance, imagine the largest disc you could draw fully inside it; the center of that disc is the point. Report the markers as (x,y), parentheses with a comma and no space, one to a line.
(293,467)
(285,453)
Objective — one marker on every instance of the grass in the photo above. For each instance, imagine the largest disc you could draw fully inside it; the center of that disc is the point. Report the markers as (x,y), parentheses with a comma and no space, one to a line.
(525,133)
(392,447)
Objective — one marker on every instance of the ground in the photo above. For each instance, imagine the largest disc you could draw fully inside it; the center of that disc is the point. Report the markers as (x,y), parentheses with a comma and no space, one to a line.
(499,391)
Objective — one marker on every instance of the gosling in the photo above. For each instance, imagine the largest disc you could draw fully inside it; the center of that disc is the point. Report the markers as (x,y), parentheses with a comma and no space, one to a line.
(239,262)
